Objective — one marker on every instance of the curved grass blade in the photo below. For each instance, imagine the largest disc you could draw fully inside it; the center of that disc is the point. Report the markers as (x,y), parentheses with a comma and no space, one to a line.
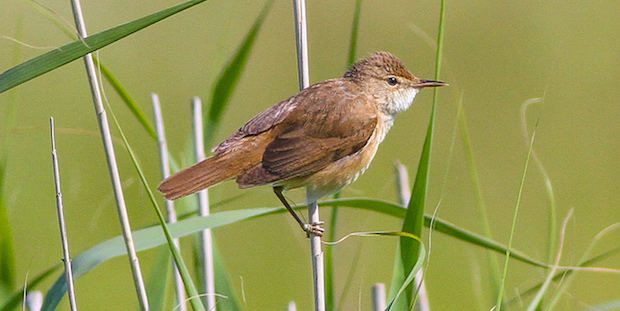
(413,223)
(145,239)
(502,285)
(225,85)
(354,32)
(439,225)
(127,99)
(72,51)
(407,282)
(414,219)
(153,237)
(564,275)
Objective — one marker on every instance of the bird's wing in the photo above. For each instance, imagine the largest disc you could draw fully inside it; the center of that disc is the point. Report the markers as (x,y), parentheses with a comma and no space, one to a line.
(321,130)
(301,151)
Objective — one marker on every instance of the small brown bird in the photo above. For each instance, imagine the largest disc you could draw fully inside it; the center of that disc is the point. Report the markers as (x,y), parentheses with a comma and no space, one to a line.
(323,138)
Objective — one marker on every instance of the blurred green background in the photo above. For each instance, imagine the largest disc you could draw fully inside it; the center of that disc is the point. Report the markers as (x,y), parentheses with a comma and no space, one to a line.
(497,55)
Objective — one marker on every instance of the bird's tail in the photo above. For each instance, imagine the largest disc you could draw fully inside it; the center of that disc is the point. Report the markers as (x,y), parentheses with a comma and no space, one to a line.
(198,177)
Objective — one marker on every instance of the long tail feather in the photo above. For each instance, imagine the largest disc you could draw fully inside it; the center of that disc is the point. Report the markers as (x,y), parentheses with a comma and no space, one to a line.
(198,177)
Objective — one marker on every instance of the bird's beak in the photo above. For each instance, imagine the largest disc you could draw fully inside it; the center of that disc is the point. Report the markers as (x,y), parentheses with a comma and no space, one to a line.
(430,83)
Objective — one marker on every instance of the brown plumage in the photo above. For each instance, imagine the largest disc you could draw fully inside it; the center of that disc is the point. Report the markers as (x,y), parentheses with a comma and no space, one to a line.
(291,139)
(322,138)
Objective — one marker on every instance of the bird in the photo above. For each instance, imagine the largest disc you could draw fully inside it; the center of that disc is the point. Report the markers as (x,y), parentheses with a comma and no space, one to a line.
(321,139)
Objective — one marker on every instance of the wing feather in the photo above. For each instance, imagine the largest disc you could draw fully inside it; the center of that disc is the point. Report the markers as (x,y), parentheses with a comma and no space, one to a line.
(314,135)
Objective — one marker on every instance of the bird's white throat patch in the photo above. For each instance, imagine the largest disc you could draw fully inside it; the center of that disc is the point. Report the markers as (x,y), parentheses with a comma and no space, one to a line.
(401,100)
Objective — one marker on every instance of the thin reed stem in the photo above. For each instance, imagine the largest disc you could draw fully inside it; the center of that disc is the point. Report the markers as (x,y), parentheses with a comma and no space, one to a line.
(301,32)
(206,246)
(61,222)
(318,266)
(106,136)
(171,213)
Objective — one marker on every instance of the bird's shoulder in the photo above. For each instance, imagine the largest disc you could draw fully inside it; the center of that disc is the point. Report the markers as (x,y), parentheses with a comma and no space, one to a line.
(331,108)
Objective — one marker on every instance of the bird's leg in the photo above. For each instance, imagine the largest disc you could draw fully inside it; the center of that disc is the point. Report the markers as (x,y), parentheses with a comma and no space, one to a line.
(313,228)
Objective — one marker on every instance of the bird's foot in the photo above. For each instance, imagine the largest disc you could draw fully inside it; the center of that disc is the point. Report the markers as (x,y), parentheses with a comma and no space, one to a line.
(314,228)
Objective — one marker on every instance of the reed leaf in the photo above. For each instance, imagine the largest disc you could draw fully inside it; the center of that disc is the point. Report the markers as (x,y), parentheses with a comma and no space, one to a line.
(56,58)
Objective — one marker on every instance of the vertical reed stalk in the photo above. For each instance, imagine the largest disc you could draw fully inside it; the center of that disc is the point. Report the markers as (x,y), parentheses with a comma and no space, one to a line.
(106,136)
(318,267)
(206,246)
(61,222)
(170,211)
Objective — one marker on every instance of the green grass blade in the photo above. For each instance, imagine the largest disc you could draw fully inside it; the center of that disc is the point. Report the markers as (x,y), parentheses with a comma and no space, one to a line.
(408,281)
(563,275)
(72,51)
(569,278)
(439,225)
(107,74)
(354,31)
(398,279)
(225,297)
(544,289)
(414,219)
(500,295)
(128,100)
(16,299)
(145,239)
(7,251)
(153,237)
(228,79)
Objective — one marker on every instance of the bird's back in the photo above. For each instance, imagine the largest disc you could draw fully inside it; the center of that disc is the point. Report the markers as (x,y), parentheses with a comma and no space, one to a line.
(292,139)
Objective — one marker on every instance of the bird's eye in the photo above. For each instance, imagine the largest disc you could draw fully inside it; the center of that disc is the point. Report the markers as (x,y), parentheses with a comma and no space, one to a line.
(392,81)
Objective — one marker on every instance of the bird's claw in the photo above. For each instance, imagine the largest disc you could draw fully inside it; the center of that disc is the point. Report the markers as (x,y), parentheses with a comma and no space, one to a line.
(314,228)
